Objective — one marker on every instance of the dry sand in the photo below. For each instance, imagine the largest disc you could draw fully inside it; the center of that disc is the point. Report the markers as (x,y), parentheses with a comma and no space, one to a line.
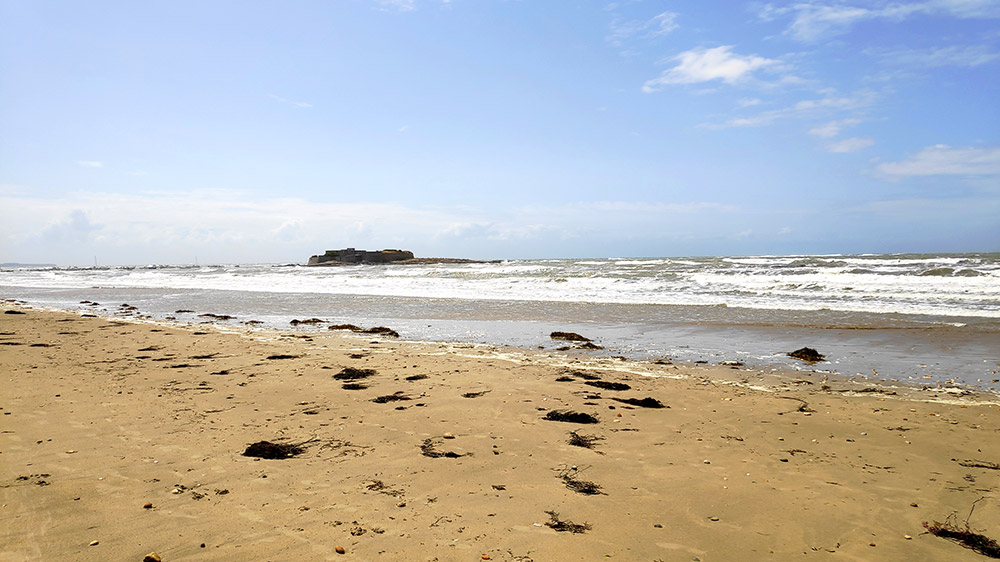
(102,417)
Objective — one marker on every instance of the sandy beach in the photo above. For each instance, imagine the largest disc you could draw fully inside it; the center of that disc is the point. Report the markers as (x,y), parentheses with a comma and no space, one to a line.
(123,438)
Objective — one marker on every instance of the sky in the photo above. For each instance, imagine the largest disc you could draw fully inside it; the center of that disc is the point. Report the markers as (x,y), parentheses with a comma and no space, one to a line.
(245,132)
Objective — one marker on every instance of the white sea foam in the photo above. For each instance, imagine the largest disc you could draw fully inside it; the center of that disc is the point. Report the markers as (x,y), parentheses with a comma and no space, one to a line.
(959,285)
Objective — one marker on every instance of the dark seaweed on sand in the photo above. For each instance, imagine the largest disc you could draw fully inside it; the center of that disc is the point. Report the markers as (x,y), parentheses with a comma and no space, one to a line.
(565,525)
(283,356)
(648,402)
(428,449)
(416,377)
(474,394)
(565,379)
(585,441)
(352,374)
(269,450)
(391,398)
(354,386)
(585,487)
(609,385)
(570,416)
(963,535)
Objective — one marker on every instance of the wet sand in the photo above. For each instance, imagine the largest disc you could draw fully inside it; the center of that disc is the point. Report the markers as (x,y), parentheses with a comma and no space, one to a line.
(131,435)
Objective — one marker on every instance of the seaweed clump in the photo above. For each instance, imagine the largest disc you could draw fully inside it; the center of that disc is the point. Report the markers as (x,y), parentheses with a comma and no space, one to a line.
(352,374)
(648,402)
(395,397)
(565,526)
(585,441)
(608,385)
(428,449)
(570,416)
(269,450)
(964,536)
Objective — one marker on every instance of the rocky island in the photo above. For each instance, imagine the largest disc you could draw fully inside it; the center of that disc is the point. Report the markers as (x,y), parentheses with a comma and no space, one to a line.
(351,256)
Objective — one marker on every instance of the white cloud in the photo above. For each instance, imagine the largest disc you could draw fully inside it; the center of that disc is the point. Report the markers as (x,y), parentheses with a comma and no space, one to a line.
(968,56)
(812,20)
(705,65)
(833,128)
(90,163)
(850,145)
(941,160)
(749,102)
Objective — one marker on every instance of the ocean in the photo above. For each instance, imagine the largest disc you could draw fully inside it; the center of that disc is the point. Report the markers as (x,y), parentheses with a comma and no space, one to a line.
(924,318)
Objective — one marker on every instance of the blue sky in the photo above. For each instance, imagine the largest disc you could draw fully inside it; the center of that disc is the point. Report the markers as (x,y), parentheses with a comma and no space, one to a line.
(144,132)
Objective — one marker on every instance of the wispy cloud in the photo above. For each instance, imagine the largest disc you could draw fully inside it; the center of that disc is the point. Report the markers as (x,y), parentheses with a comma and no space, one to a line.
(943,160)
(90,163)
(850,145)
(816,20)
(968,56)
(396,5)
(299,104)
(805,109)
(749,102)
(705,65)
(656,26)
(833,128)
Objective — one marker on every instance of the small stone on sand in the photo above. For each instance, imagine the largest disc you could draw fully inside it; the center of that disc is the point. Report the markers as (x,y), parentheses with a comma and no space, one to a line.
(340,549)
(151,557)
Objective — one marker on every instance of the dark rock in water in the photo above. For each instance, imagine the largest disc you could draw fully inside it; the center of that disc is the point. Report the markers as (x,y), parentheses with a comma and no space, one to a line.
(590,345)
(350,255)
(609,385)
(350,327)
(268,450)
(311,321)
(378,330)
(648,402)
(568,336)
(807,354)
(570,416)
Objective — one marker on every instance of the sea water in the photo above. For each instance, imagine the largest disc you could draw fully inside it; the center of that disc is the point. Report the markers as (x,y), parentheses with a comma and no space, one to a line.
(920,317)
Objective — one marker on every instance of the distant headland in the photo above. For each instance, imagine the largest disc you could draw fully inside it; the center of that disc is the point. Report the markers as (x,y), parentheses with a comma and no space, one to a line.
(350,256)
